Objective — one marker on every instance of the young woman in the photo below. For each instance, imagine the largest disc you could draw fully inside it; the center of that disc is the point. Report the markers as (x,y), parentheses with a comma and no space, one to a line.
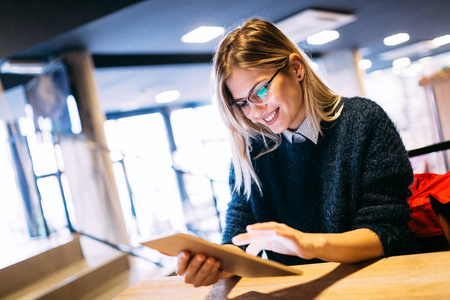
(315,176)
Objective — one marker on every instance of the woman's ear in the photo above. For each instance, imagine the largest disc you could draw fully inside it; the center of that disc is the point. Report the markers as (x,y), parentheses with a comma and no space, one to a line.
(297,66)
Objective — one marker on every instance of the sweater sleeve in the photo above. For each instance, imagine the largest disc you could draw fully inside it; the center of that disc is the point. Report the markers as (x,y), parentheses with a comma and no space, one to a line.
(239,213)
(385,178)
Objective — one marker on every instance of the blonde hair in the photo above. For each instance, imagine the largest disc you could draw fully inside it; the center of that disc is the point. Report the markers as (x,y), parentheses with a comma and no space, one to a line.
(258,44)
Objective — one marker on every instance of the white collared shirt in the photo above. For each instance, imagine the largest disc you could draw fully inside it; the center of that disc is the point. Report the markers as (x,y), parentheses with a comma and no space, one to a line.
(305,131)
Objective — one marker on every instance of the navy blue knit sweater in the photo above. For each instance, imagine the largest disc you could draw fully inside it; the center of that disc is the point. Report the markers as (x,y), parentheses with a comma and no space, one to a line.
(357,176)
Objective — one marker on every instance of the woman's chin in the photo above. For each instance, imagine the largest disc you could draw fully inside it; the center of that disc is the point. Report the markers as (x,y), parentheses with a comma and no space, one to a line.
(277,129)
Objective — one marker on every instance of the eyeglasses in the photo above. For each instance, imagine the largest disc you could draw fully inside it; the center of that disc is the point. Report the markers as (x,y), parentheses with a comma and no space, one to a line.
(260,95)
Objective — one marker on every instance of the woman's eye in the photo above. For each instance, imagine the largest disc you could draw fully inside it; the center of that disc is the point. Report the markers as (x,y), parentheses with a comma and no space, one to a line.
(243,104)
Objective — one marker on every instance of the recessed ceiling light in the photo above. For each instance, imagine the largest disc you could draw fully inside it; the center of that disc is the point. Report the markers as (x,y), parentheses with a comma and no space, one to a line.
(202,34)
(167,96)
(323,37)
(32,68)
(311,21)
(396,39)
(401,62)
(442,40)
(426,60)
(365,64)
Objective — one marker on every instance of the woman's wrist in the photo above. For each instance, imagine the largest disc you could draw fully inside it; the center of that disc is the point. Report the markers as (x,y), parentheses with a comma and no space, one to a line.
(347,247)
(312,245)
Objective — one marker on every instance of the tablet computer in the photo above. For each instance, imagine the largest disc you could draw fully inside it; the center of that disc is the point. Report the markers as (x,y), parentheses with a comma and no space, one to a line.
(234,261)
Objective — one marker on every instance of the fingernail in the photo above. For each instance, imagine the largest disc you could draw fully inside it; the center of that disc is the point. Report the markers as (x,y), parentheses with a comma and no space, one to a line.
(201,256)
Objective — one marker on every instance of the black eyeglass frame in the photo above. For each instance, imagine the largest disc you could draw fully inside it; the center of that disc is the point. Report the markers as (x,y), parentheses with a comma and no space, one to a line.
(252,91)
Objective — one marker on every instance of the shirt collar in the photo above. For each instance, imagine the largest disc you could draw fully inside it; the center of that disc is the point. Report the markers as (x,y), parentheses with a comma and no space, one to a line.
(306,130)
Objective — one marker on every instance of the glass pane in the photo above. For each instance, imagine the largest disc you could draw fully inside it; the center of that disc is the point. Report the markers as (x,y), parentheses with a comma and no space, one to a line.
(125,199)
(52,203)
(13,224)
(20,213)
(42,153)
(69,200)
(203,153)
(48,94)
(142,141)
(32,155)
(202,142)
(399,93)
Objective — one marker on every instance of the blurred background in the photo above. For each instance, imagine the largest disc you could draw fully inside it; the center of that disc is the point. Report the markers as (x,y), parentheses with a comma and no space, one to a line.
(108,123)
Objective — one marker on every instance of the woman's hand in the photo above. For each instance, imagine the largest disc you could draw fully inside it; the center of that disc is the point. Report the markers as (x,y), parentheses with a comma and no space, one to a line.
(200,270)
(346,247)
(278,238)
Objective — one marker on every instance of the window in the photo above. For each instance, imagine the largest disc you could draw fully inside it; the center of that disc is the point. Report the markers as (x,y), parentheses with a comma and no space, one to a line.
(31,179)
(399,93)
(203,155)
(13,222)
(146,181)
(171,168)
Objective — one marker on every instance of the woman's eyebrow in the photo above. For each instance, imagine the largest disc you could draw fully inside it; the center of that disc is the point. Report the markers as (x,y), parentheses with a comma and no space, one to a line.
(251,91)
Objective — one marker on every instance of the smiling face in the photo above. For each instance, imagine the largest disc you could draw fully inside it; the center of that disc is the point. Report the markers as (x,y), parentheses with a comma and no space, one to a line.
(285,109)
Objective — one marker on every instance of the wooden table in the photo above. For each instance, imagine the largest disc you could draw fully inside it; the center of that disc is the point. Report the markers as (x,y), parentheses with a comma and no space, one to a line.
(420,276)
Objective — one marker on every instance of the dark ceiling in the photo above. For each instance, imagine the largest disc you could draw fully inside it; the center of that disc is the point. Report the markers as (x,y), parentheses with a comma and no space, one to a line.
(146,34)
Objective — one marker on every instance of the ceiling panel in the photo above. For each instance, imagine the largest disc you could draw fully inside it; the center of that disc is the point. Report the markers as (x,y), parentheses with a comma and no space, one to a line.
(154,28)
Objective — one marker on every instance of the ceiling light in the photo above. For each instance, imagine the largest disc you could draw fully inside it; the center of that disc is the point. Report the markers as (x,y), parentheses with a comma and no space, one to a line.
(426,60)
(311,21)
(396,39)
(365,64)
(22,67)
(167,96)
(442,40)
(401,62)
(422,48)
(323,37)
(202,34)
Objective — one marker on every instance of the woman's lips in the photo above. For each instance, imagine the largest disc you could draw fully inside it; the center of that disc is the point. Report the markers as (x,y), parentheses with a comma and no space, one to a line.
(270,119)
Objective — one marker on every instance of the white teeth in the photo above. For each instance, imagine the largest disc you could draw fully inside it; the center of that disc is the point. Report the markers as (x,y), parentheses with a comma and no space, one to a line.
(270,117)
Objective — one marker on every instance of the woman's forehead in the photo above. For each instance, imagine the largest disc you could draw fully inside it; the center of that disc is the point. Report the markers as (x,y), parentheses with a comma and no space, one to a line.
(242,80)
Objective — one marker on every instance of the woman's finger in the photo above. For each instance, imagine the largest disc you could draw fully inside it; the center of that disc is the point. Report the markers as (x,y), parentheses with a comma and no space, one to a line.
(204,272)
(281,239)
(183,261)
(194,265)
(252,236)
(215,274)
(255,247)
